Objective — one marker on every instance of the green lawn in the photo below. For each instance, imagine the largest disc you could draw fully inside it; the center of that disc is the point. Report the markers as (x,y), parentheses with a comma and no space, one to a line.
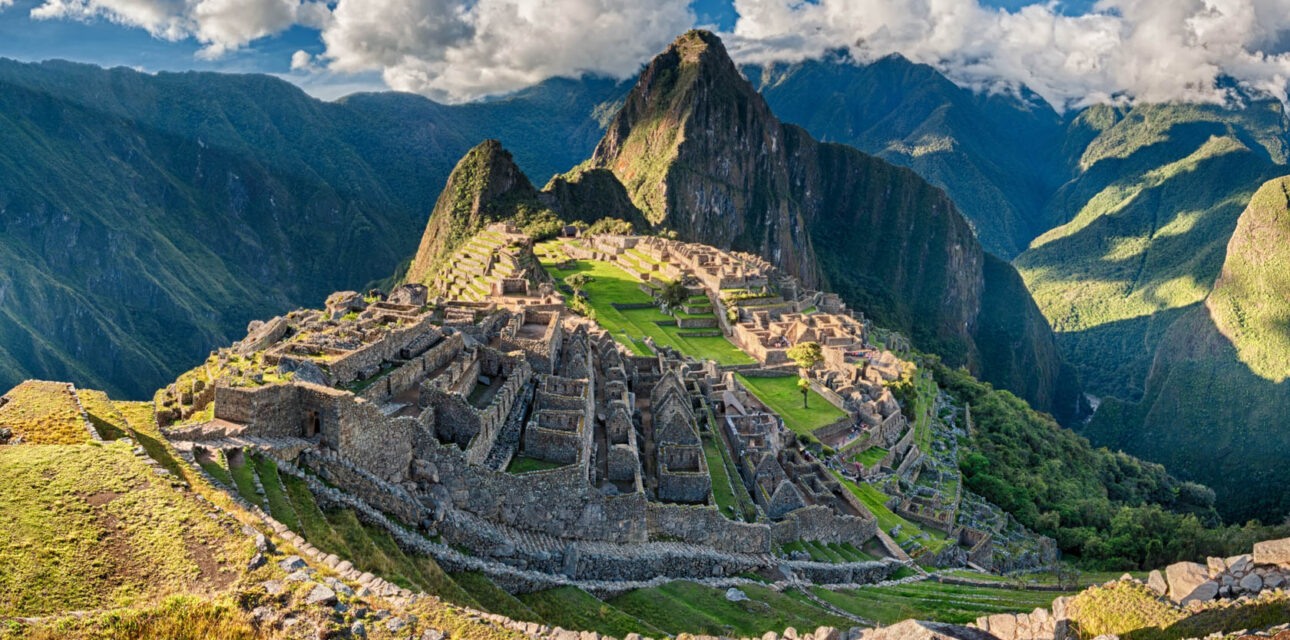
(688,607)
(611,285)
(573,608)
(525,464)
(279,504)
(783,397)
(870,456)
(722,492)
(930,600)
(716,444)
(218,471)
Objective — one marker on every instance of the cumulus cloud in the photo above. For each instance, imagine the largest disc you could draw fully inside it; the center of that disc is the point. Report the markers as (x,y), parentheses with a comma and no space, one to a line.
(1148,50)
(220,25)
(455,51)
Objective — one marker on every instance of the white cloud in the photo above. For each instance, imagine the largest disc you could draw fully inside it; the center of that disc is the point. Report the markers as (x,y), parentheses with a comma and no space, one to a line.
(220,25)
(456,51)
(1150,50)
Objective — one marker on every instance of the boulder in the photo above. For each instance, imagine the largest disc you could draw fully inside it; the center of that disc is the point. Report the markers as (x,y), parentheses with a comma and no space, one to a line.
(292,563)
(1003,626)
(1240,565)
(1272,552)
(1252,583)
(1156,582)
(920,630)
(321,595)
(256,562)
(735,595)
(1185,578)
(1217,567)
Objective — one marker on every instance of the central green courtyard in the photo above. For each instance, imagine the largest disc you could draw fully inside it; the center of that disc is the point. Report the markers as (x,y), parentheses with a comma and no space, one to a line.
(612,285)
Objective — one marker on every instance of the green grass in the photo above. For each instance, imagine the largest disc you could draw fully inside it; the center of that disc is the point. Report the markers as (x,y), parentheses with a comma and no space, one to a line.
(217,470)
(874,500)
(244,479)
(929,600)
(870,457)
(525,464)
(783,397)
(722,490)
(492,598)
(716,443)
(430,574)
(103,414)
(688,607)
(91,526)
(575,609)
(275,494)
(43,413)
(313,524)
(365,555)
(610,285)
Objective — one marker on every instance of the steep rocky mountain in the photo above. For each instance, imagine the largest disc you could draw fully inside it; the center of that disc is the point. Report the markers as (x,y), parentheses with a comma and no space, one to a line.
(1139,231)
(1216,398)
(146,218)
(699,151)
(695,149)
(994,154)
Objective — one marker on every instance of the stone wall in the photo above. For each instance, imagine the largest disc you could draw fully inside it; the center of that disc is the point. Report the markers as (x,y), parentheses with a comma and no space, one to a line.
(415,370)
(706,526)
(683,474)
(367,360)
(820,523)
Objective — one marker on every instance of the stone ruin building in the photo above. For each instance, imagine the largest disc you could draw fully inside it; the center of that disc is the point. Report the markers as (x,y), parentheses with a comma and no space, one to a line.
(495,422)
(527,436)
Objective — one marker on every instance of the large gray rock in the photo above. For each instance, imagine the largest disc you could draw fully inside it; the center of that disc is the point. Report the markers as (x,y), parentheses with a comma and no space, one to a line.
(1252,583)
(1272,552)
(1156,582)
(1240,565)
(920,630)
(1186,580)
(321,595)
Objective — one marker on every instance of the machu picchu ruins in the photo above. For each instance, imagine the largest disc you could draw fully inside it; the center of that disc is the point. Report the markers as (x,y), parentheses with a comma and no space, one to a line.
(487,416)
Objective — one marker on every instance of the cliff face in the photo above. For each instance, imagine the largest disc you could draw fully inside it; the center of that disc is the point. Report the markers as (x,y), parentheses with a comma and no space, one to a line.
(485,186)
(1216,398)
(699,151)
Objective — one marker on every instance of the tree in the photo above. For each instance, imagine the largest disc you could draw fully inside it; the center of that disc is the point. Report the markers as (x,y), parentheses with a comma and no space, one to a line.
(806,355)
(804,387)
(578,281)
(674,294)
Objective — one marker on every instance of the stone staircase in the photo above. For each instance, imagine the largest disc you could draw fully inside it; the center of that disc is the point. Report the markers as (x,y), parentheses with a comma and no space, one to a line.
(286,448)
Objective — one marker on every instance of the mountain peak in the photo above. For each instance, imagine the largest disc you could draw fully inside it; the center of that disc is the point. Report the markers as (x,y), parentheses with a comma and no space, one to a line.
(486,185)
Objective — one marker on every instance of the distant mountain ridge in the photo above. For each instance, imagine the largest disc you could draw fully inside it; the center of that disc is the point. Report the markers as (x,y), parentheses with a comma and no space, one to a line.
(145,218)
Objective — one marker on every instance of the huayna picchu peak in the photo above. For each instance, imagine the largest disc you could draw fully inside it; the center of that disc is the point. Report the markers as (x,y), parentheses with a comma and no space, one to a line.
(723,352)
